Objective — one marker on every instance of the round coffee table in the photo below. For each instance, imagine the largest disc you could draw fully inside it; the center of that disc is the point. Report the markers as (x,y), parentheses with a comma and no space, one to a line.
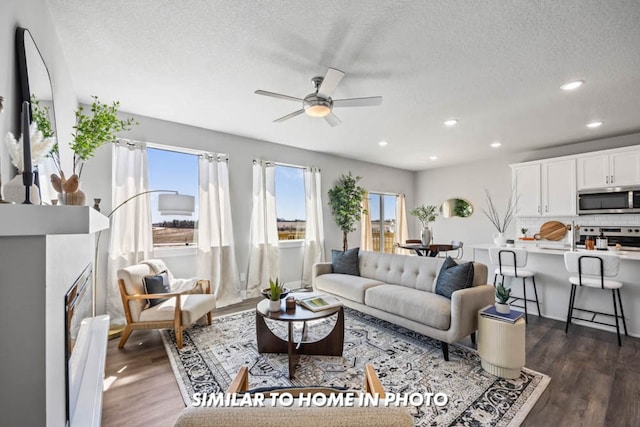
(268,342)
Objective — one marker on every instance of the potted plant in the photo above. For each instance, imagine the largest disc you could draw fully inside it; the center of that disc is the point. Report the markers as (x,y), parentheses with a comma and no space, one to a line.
(91,132)
(275,293)
(425,215)
(502,299)
(501,223)
(345,199)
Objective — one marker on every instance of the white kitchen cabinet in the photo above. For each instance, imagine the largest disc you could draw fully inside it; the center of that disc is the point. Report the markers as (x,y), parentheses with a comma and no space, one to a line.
(546,188)
(607,170)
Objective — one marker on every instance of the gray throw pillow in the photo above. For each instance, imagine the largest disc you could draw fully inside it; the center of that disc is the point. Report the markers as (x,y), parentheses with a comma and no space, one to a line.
(158,284)
(345,262)
(454,276)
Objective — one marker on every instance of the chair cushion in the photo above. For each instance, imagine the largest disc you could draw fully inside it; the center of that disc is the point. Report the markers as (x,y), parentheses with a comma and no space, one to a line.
(194,306)
(594,282)
(346,286)
(345,262)
(454,276)
(132,277)
(158,284)
(511,272)
(423,307)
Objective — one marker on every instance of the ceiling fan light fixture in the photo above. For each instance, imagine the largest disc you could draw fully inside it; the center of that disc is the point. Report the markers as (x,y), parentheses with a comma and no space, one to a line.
(318,111)
(316,106)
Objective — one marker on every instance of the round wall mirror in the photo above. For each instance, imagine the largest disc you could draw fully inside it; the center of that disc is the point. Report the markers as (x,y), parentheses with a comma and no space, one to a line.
(456,207)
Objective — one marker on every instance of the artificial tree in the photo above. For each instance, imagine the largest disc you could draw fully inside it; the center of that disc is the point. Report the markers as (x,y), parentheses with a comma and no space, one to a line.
(345,199)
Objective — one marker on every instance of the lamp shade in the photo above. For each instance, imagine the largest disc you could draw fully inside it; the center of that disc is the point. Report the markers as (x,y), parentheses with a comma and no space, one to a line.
(176,204)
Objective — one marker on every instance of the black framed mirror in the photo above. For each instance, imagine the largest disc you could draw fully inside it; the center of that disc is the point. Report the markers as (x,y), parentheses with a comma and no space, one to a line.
(456,207)
(35,82)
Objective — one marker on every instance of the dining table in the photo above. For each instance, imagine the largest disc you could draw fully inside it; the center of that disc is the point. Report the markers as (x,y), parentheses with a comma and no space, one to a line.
(427,250)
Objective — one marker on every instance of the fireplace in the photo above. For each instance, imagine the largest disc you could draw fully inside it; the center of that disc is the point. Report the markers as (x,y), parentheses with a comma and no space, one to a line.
(85,351)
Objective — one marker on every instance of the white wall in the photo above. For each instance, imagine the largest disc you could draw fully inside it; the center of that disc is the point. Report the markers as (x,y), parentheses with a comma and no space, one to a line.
(468,181)
(242,151)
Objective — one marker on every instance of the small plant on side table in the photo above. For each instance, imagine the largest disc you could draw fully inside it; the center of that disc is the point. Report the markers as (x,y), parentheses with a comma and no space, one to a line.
(502,299)
(275,291)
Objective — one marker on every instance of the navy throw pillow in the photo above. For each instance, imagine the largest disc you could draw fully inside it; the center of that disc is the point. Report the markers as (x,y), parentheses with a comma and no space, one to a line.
(345,262)
(158,284)
(454,276)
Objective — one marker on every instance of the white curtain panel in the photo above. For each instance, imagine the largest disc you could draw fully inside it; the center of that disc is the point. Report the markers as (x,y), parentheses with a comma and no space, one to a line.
(402,233)
(216,258)
(314,231)
(264,256)
(366,235)
(131,239)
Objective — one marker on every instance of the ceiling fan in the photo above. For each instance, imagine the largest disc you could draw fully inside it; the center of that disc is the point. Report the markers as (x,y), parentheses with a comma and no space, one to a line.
(320,103)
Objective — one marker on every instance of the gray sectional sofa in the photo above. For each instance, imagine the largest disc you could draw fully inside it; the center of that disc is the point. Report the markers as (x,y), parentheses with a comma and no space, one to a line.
(401,289)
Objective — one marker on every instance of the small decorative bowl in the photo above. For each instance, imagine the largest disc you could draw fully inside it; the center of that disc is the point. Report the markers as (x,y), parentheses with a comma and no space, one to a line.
(267,291)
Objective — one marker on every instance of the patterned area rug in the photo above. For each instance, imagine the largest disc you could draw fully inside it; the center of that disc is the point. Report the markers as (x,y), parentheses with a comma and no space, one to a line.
(405,361)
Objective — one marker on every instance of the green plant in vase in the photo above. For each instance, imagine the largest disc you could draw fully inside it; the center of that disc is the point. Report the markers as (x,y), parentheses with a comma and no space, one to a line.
(425,214)
(276,289)
(345,199)
(91,132)
(502,299)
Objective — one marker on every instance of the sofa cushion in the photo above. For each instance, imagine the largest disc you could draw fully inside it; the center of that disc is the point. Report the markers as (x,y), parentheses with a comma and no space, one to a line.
(158,284)
(454,276)
(423,307)
(410,271)
(346,286)
(345,262)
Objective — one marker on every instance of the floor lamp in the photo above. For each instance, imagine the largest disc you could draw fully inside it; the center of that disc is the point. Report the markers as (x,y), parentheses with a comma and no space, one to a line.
(172,203)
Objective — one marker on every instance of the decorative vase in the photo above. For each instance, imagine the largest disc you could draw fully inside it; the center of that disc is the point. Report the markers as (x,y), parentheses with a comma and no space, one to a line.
(499,239)
(77,198)
(425,237)
(96,204)
(503,308)
(274,305)
(14,191)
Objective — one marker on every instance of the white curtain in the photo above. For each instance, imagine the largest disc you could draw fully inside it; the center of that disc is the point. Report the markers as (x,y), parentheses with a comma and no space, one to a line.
(216,258)
(366,235)
(131,239)
(314,231)
(402,234)
(264,256)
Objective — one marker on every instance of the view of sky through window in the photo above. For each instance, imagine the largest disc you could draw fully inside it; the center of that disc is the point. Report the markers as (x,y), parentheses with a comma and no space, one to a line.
(290,202)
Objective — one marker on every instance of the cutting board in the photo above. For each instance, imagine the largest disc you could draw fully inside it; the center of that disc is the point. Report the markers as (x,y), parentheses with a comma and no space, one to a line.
(553,230)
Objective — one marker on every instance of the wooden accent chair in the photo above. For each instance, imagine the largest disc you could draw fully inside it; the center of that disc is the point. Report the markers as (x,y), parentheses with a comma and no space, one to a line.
(297,415)
(372,385)
(182,308)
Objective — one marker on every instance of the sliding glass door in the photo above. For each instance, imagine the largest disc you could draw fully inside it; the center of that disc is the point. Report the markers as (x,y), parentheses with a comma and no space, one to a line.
(382,209)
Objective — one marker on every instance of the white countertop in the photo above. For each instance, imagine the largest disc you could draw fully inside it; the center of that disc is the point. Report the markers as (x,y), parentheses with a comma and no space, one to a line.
(41,220)
(554,248)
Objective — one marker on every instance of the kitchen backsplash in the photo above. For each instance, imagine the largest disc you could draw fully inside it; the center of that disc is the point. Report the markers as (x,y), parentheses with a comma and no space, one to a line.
(534,223)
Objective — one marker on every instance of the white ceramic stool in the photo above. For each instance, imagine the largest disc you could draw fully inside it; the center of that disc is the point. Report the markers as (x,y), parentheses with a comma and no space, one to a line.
(501,346)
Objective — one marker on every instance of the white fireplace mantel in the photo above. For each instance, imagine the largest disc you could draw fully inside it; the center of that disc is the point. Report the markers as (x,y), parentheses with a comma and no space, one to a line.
(43,250)
(42,220)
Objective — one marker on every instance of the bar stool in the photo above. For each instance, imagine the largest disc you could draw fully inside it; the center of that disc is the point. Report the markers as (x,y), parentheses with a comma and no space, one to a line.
(592,268)
(510,262)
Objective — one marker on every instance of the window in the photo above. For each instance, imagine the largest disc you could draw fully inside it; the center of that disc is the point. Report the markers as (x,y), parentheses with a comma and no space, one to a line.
(290,202)
(172,170)
(382,211)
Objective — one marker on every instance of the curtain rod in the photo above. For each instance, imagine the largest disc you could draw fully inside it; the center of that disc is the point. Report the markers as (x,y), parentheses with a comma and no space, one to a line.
(172,148)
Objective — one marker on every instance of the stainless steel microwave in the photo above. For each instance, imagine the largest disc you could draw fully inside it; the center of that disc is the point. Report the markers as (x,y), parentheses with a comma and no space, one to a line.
(615,200)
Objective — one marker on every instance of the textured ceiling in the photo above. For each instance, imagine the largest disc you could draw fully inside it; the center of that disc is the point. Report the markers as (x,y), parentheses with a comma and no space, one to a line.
(496,66)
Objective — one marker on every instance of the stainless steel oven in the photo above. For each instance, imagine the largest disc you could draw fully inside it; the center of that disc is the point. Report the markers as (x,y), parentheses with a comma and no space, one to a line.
(615,200)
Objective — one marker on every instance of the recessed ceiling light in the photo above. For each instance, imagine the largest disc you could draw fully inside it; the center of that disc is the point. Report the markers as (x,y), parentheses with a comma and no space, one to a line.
(383,143)
(572,85)
(595,124)
(450,122)
(495,144)
(433,158)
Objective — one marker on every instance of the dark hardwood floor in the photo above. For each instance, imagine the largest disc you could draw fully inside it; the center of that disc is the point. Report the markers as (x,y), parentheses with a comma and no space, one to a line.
(593,381)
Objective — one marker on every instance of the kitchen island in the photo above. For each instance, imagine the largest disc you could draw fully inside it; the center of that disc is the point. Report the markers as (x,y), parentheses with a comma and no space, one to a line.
(552,280)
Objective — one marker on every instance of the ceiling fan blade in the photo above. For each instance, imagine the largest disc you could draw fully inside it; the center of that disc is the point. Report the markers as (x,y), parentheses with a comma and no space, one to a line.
(329,83)
(289,116)
(332,119)
(277,95)
(371,101)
